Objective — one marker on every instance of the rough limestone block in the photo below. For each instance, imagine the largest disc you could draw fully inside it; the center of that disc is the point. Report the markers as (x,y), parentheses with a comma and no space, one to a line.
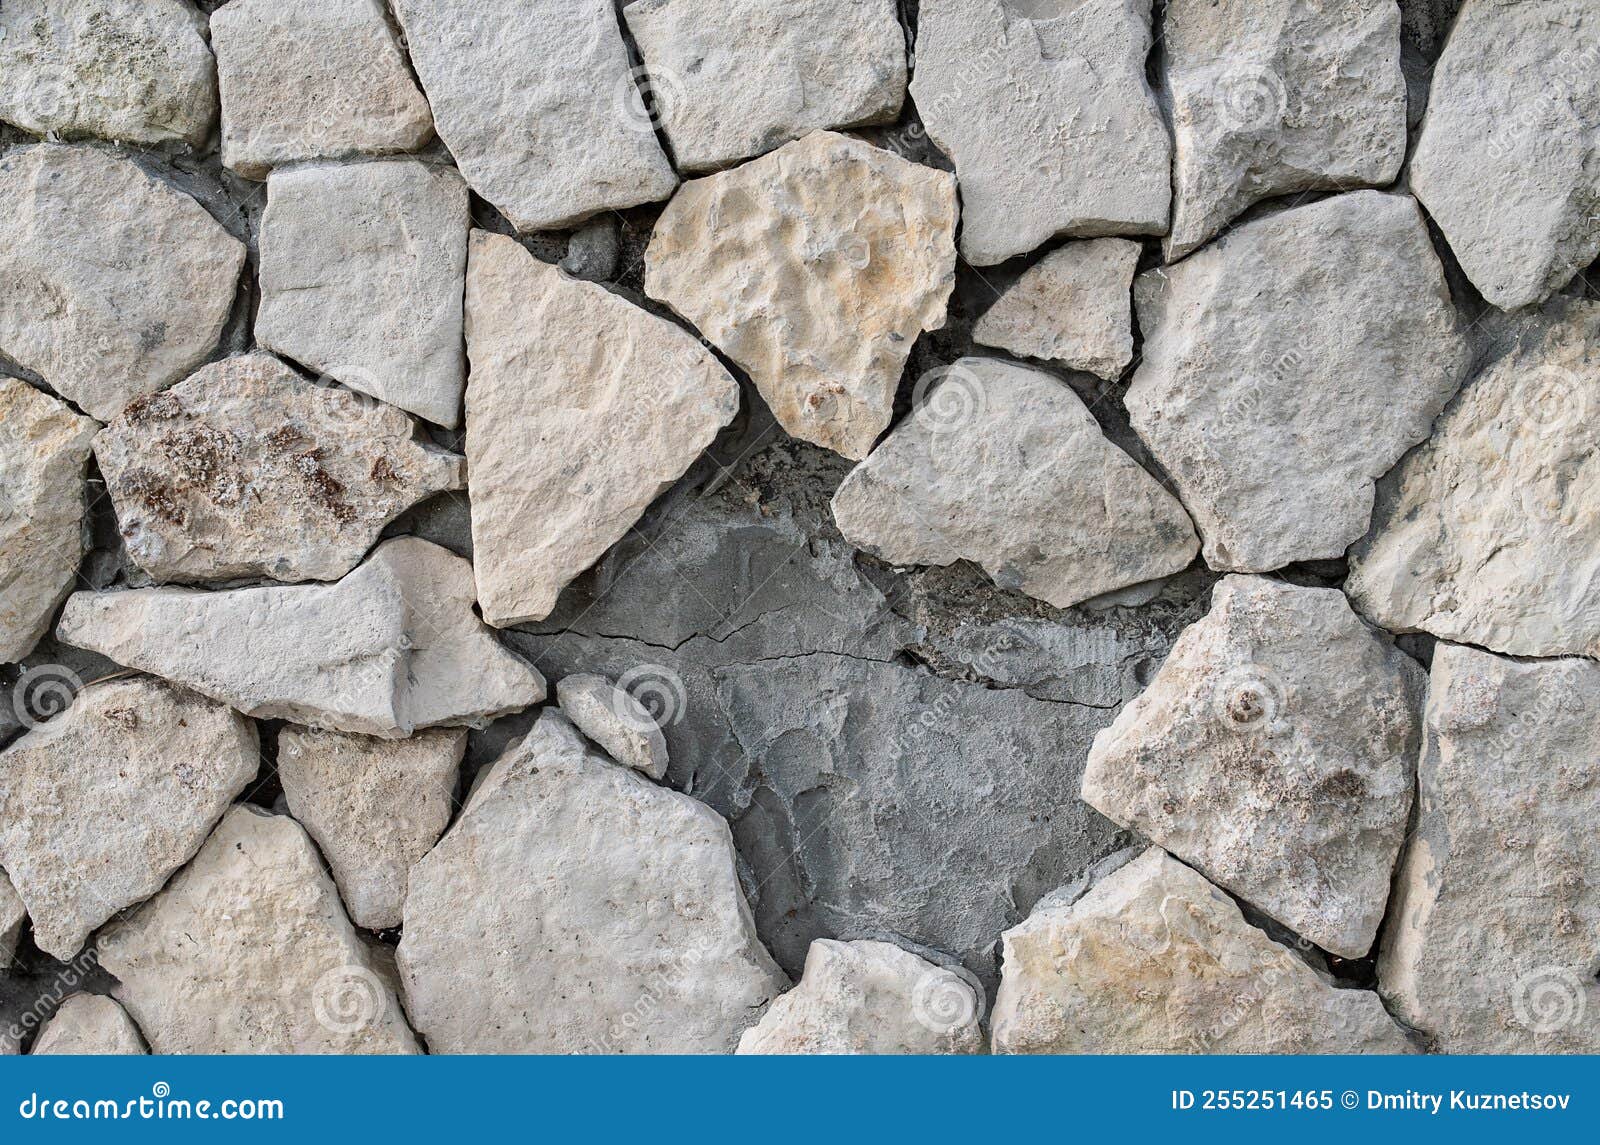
(89,1024)
(814,268)
(362,266)
(99,805)
(305,79)
(734,78)
(870,998)
(614,720)
(248,951)
(112,285)
(1050,122)
(44,446)
(582,885)
(13,917)
(1005,466)
(1287,367)
(536,101)
(1156,960)
(583,408)
(138,71)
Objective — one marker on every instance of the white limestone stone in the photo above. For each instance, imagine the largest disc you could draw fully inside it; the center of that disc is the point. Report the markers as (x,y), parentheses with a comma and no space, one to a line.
(614,720)
(89,1024)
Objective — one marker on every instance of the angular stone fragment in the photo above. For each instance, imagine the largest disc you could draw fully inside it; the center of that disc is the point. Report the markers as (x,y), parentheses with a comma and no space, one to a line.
(1275,97)
(246,469)
(137,71)
(1508,162)
(1154,959)
(582,409)
(814,268)
(569,889)
(734,78)
(870,998)
(361,277)
(112,285)
(1074,308)
(1275,751)
(43,448)
(304,79)
(1050,122)
(1005,466)
(13,916)
(536,102)
(1490,532)
(374,807)
(248,951)
(612,718)
(99,805)
(89,1024)
(391,648)
(1495,934)
(1289,365)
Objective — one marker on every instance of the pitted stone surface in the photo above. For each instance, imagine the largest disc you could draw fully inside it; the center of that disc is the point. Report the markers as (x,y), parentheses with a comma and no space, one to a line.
(89,1024)
(13,917)
(613,719)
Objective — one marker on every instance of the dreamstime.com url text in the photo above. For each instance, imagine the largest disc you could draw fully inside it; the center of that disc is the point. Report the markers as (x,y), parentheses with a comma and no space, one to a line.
(160,1105)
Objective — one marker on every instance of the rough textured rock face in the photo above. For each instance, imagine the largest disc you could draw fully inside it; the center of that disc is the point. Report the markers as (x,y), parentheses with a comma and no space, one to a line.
(246,469)
(1276,752)
(583,408)
(112,285)
(1005,466)
(1496,924)
(304,79)
(870,998)
(536,102)
(1050,122)
(374,807)
(814,268)
(393,647)
(248,951)
(132,70)
(1270,386)
(1508,163)
(1489,532)
(613,719)
(1073,308)
(362,267)
(1276,97)
(152,769)
(43,448)
(1154,959)
(13,917)
(482,937)
(735,78)
(89,1024)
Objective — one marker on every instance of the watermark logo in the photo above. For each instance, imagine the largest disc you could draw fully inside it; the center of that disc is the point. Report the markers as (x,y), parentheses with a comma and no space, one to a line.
(1549,999)
(42,692)
(651,696)
(348,999)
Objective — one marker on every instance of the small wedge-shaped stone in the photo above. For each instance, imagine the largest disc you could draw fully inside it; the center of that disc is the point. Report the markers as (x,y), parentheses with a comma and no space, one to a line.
(246,469)
(1490,532)
(1156,960)
(870,998)
(1050,122)
(1508,162)
(569,889)
(374,806)
(1074,308)
(734,78)
(99,805)
(44,446)
(814,268)
(1275,751)
(361,277)
(89,1024)
(137,71)
(583,408)
(536,101)
(612,718)
(13,916)
(1287,367)
(1278,96)
(304,79)
(393,647)
(1495,933)
(112,285)
(1005,466)
(248,951)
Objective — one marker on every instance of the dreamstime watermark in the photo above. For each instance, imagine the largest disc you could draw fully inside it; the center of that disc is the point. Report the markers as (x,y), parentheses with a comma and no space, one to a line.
(44,691)
(349,999)
(650,697)
(944,1002)
(949,398)
(158,1105)
(1549,1000)
(644,98)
